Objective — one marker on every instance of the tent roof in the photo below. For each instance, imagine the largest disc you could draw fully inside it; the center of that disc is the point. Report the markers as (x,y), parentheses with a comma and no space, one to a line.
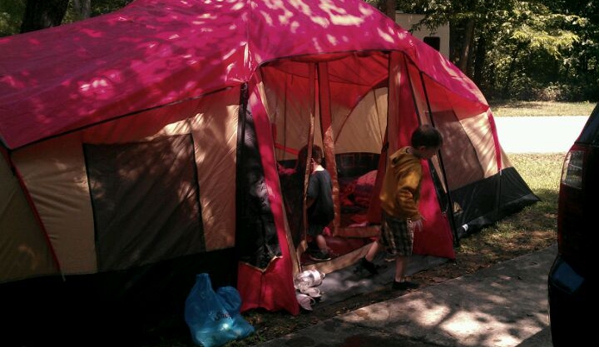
(155,52)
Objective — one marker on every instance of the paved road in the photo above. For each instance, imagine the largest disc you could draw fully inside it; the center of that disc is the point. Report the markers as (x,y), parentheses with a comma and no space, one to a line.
(538,134)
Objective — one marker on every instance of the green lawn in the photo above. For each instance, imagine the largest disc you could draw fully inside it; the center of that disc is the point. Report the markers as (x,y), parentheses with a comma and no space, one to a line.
(540,108)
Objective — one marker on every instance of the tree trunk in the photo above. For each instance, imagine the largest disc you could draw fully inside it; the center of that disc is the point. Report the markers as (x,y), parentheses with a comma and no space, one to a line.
(82,9)
(465,53)
(390,6)
(41,14)
(510,73)
(387,7)
(479,60)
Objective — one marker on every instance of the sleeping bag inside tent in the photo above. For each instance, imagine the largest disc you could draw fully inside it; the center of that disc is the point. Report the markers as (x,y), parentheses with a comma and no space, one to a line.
(145,146)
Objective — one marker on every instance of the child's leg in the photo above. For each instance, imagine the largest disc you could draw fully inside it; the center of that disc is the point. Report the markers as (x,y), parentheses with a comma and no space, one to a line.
(322,243)
(366,261)
(401,263)
(372,251)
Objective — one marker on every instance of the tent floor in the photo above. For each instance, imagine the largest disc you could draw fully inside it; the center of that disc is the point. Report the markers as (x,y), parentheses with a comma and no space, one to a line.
(352,281)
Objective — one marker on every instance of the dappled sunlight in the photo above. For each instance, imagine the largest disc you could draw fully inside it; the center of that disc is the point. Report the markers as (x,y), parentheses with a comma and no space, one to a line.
(147,56)
(140,110)
(340,15)
(465,326)
(296,22)
(387,36)
(98,87)
(471,311)
(432,316)
(115,64)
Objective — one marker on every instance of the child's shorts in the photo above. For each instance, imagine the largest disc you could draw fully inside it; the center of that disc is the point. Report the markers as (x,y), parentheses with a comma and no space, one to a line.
(396,237)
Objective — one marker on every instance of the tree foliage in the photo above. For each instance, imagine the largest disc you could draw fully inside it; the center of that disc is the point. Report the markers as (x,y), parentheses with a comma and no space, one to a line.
(20,16)
(11,16)
(540,49)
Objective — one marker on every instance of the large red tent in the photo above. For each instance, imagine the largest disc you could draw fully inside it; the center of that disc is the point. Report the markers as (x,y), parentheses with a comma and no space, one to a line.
(216,93)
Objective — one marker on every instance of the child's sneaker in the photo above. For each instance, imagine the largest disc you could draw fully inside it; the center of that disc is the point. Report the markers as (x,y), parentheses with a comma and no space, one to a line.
(405,285)
(319,256)
(369,266)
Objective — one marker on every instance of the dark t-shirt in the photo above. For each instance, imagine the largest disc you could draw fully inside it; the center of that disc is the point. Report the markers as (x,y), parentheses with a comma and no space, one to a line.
(320,188)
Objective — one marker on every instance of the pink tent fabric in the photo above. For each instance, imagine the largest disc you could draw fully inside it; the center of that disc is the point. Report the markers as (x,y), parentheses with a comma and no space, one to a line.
(155,53)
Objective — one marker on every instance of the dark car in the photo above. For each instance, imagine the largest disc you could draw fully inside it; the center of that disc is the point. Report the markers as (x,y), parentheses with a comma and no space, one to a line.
(572,280)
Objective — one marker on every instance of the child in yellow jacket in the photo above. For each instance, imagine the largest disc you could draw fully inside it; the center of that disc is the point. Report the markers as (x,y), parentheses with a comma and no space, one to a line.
(399,202)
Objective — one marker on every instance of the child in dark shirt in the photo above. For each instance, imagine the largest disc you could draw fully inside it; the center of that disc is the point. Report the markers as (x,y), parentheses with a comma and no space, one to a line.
(319,204)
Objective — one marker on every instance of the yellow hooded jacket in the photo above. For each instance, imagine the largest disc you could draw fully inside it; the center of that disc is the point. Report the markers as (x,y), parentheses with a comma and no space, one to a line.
(401,186)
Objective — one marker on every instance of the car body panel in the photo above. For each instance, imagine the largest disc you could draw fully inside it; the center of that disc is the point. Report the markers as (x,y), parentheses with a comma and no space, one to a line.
(572,281)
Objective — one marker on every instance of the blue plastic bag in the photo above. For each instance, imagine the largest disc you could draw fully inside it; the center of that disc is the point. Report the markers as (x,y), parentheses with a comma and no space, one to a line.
(214,318)
(231,301)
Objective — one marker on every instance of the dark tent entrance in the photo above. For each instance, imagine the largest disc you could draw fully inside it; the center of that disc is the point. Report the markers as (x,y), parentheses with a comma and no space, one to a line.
(359,119)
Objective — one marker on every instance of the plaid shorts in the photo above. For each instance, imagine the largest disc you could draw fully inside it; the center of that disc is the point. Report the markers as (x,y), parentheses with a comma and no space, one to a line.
(396,237)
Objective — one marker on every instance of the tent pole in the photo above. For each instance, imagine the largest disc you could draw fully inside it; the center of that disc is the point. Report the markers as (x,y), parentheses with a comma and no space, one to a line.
(328,143)
(313,90)
(456,240)
(241,185)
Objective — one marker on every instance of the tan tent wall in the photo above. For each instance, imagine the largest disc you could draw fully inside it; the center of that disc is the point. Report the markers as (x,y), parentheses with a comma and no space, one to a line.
(54,172)
(288,103)
(364,130)
(212,121)
(24,252)
(214,131)
(468,133)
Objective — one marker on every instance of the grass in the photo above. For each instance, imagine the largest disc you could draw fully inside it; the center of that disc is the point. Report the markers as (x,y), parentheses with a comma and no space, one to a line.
(534,227)
(542,173)
(508,108)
